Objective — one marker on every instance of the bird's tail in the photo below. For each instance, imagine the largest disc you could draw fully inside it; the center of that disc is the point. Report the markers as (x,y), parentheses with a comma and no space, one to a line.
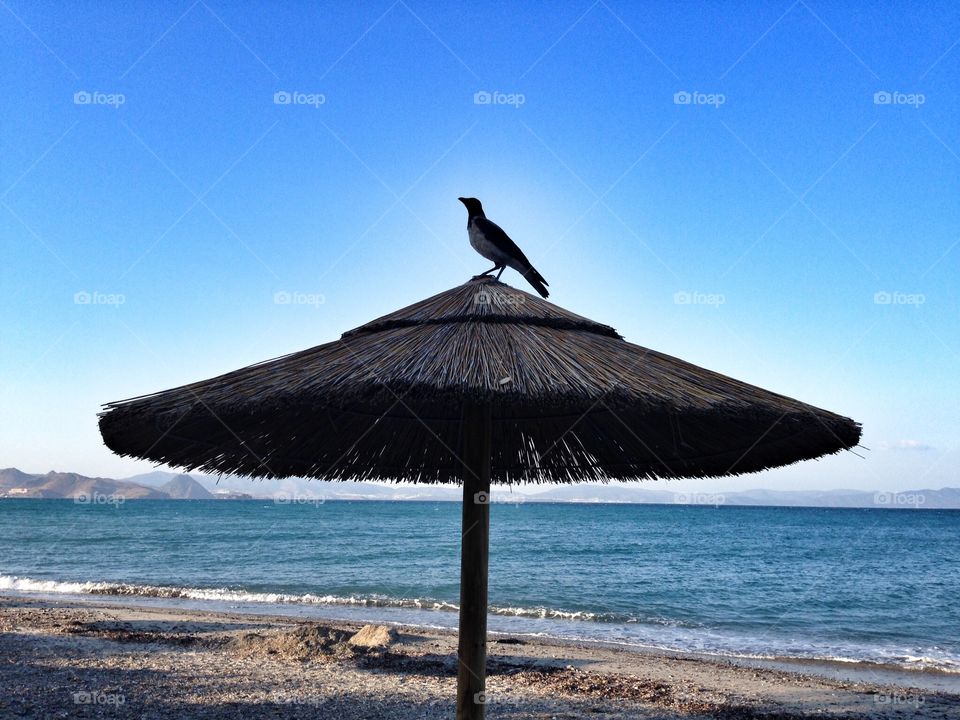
(537,281)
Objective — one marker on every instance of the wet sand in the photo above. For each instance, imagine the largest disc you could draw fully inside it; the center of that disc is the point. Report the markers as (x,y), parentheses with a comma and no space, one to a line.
(64,659)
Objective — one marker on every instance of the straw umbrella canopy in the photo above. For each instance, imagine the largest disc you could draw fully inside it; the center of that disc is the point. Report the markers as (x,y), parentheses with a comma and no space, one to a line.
(481,383)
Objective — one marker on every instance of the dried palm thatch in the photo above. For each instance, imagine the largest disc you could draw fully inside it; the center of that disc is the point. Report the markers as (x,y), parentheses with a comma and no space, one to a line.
(571,399)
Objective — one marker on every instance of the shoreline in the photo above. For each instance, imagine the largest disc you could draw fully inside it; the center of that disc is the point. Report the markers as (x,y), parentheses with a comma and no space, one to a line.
(936,673)
(188,652)
(919,677)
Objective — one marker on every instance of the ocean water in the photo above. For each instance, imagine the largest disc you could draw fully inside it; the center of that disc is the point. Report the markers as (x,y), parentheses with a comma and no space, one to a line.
(846,584)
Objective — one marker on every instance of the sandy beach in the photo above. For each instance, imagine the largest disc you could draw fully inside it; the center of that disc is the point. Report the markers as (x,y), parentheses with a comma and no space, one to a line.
(69,658)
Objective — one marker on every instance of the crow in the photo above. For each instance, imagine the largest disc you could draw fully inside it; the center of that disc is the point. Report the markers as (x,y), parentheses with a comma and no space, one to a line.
(489,239)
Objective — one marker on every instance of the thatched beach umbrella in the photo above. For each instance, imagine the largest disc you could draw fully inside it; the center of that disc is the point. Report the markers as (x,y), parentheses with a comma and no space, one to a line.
(476,384)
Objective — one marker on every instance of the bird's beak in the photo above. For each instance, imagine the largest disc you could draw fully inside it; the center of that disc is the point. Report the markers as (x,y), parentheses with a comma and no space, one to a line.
(463,200)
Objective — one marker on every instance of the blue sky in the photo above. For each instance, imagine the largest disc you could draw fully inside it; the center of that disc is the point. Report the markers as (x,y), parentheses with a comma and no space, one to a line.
(769,192)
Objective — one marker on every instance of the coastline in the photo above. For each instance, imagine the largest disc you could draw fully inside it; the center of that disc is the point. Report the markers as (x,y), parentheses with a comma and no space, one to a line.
(161,659)
(828,660)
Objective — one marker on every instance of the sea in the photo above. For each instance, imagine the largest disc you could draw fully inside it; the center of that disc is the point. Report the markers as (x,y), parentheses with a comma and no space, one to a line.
(806,584)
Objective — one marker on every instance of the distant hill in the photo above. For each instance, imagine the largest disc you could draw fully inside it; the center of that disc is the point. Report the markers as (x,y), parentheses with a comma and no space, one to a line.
(598,493)
(925,499)
(166,485)
(184,487)
(14,483)
(236,486)
(152,479)
(944,499)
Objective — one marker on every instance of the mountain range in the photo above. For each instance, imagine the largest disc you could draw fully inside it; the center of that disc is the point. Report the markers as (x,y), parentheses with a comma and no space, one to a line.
(17,484)
(159,485)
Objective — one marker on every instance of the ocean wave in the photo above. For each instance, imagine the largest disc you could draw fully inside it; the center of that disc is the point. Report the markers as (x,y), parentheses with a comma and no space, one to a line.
(924,662)
(21,584)
(679,636)
(9,582)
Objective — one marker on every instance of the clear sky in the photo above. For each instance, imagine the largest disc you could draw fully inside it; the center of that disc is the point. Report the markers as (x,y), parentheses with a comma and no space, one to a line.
(768,189)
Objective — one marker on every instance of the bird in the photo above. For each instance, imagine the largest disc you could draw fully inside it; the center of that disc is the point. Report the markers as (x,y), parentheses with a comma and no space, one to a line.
(489,239)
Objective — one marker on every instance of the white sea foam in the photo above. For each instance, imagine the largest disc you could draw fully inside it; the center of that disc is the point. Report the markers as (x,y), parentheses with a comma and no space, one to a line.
(22,584)
(653,633)
(8,582)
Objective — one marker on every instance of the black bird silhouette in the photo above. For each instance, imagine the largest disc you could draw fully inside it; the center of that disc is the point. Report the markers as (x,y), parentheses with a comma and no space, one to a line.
(489,239)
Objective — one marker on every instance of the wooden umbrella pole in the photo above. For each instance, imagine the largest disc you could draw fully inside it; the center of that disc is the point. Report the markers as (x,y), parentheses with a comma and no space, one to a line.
(474,547)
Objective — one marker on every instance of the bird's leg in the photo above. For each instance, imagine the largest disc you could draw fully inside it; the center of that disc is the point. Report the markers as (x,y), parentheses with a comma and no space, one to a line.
(502,268)
(484,274)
